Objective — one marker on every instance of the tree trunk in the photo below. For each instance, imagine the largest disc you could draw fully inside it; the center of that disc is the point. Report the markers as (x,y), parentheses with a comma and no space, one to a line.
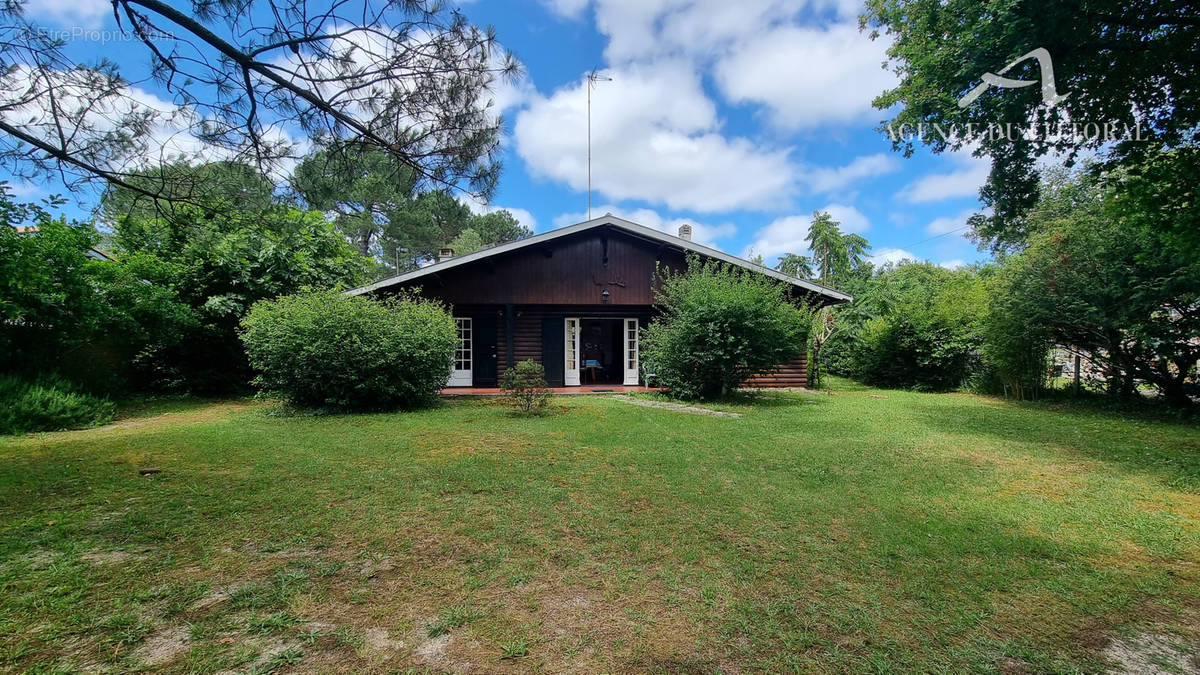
(364,243)
(816,368)
(1171,384)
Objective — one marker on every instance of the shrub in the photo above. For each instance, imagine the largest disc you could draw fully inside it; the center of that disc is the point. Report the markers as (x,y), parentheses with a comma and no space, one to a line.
(525,387)
(718,325)
(328,350)
(899,352)
(48,404)
(915,326)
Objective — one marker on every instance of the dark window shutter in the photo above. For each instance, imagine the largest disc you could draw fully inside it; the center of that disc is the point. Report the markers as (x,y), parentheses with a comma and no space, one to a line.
(552,350)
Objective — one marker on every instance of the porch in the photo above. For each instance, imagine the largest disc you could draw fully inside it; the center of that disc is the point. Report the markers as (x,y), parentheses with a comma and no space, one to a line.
(566,391)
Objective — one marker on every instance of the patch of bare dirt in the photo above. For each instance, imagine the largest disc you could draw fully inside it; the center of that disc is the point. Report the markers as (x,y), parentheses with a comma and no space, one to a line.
(378,640)
(34,560)
(676,407)
(433,650)
(210,600)
(1152,654)
(164,646)
(110,557)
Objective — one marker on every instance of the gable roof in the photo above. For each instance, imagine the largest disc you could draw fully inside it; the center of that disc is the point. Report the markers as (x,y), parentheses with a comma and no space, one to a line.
(613,222)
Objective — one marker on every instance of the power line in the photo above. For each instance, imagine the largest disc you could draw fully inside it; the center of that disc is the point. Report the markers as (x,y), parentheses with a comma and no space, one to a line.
(917,243)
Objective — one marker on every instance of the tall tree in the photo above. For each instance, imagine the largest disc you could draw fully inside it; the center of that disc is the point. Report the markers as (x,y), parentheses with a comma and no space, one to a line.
(222,264)
(179,188)
(498,227)
(1131,64)
(409,78)
(828,245)
(415,233)
(795,265)
(363,189)
(857,247)
(835,256)
(1116,289)
(436,219)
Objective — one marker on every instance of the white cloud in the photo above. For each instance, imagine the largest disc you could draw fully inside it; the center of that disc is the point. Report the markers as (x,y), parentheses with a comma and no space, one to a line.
(835,178)
(72,13)
(657,135)
(893,255)
(25,190)
(850,219)
(808,76)
(569,9)
(656,138)
(523,216)
(953,264)
(638,29)
(782,235)
(786,235)
(701,233)
(88,109)
(961,182)
(948,224)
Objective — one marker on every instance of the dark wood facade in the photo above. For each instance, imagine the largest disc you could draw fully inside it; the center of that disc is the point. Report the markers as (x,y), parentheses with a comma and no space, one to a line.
(519,297)
(572,272)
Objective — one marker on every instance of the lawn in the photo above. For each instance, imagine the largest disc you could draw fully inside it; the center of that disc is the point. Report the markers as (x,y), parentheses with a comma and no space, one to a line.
(867,530)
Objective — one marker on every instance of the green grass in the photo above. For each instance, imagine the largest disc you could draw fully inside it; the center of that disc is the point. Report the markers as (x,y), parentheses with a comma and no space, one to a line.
(864,531)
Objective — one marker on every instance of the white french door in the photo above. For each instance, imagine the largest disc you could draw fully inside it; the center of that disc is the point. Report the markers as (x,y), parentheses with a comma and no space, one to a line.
(631,352)
(571,351)
(460,370)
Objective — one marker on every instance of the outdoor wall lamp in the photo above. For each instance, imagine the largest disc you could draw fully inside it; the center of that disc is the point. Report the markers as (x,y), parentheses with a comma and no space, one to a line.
(604,294)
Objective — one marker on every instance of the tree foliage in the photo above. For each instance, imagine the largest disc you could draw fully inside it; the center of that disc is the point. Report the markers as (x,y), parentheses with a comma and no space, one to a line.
(329,350)
(179,189)
(1115,287)
(362,187)
(221,265)
(795,265)
(1130,64)
(373,201)
(835,256)
(913,326)
(409,78)
(719,325)
(56,300)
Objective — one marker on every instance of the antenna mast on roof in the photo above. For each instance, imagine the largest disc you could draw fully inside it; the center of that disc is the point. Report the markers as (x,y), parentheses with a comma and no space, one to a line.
(592,79)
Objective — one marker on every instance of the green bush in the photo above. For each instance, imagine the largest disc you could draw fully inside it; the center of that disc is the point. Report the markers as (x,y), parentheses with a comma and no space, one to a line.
(914,325)
(48,404)
(717,326)
(329,350)
(525,387)
(901,352)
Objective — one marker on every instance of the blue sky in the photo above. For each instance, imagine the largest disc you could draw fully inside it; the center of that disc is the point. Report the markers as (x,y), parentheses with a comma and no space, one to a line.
(741,118)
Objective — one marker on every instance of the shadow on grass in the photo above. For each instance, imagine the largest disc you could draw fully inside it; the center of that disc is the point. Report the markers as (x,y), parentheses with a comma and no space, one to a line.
(741,398)
(135,408)
(1170,451)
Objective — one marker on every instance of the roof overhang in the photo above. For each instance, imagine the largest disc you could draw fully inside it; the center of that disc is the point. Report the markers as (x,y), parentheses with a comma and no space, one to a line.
(835,296)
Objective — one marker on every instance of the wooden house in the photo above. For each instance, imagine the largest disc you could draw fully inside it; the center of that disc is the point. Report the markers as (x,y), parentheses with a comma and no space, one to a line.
(572,299)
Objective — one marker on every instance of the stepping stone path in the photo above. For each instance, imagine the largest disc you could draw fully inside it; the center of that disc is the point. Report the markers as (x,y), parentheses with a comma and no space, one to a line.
(677,407)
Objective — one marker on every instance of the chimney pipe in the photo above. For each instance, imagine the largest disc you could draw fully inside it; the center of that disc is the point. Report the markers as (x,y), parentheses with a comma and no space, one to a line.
(685,231)
(445,253)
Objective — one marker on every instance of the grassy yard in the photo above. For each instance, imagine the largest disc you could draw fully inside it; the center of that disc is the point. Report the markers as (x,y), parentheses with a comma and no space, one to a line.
(868,530)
